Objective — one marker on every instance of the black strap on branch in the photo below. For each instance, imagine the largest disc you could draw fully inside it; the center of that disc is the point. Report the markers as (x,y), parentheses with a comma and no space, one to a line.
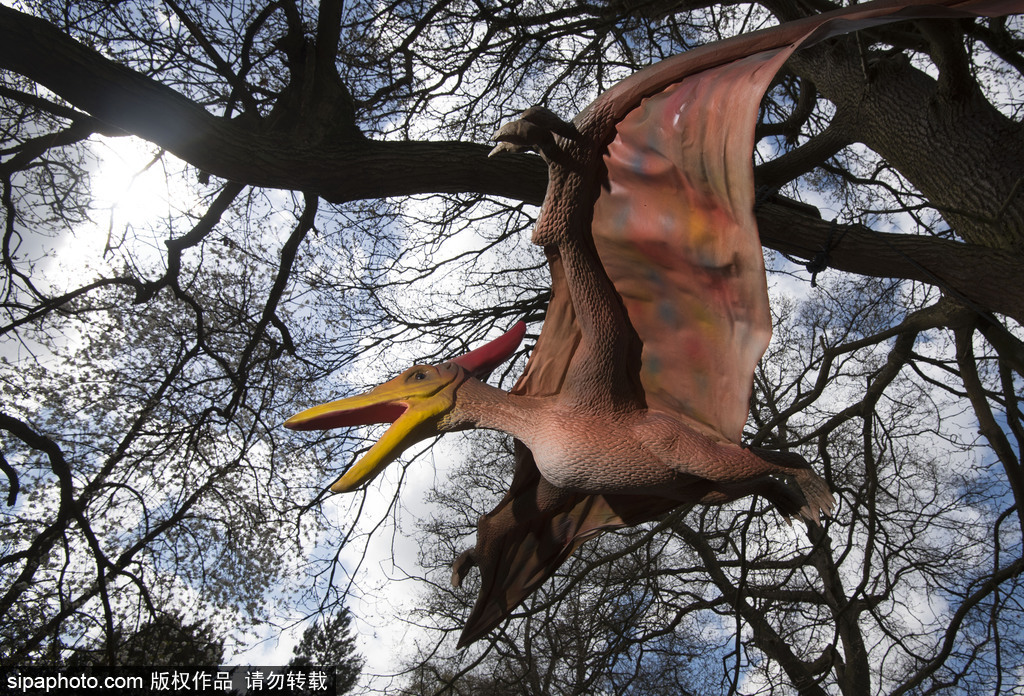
(764,194)
(820,261)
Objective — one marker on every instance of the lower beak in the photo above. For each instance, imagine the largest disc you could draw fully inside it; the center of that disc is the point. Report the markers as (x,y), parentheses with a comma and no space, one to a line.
(413,419)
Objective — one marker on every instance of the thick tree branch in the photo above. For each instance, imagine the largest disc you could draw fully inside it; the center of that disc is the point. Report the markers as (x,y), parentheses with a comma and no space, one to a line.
(356,169)
(250,153)
(998,40)
(947,51)
(803,159)
(956,148)
(978,276)
(790,127)
(328,34)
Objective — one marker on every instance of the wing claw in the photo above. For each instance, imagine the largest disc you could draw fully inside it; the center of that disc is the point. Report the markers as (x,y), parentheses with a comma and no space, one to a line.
(535,130)
(462,565)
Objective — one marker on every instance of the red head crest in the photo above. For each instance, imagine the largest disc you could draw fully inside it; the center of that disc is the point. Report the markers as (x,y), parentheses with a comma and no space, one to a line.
(481,361)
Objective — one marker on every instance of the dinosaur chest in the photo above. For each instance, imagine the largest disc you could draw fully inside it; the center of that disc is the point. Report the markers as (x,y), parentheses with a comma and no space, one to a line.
(591,452)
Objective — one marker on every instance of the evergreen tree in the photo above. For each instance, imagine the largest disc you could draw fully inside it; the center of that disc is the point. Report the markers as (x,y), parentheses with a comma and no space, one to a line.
(165,641)
(331,644)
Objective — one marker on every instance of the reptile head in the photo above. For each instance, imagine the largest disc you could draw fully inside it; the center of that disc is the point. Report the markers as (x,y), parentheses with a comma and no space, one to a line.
(415,403)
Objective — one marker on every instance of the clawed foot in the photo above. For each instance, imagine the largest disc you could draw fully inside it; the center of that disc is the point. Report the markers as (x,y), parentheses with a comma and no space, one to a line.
(818,497)
(535,129)
(806,496)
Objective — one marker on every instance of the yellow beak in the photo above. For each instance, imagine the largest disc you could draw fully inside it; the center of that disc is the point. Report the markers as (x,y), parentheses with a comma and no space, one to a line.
(413,402)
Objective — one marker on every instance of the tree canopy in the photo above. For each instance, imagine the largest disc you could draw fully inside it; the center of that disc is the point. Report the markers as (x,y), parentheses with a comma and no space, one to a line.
(217,214)
(165,641)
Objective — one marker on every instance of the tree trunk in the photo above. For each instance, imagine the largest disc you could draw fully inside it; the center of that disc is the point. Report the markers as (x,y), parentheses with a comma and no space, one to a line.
(945,138)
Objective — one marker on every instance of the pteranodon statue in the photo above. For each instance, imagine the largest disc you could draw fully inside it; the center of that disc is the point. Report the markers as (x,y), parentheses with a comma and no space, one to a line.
(635,396)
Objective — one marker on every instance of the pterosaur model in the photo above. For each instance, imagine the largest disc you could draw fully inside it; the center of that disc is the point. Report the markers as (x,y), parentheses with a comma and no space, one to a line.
(635,396)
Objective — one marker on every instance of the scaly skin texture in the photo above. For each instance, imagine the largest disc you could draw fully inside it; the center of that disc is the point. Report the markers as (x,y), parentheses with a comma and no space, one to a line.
(631,451)
(597,435)
(615,429)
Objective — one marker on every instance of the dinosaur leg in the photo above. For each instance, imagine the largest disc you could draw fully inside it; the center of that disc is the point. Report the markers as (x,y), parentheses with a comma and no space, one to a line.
(789,500)
(733,471)
(814,488)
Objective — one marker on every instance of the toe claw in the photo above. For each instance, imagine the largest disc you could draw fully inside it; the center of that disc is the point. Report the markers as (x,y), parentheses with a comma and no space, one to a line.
(505,146)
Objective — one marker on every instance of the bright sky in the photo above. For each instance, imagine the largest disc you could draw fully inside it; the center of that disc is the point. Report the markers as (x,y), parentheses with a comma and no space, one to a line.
(131,191)
(132,188)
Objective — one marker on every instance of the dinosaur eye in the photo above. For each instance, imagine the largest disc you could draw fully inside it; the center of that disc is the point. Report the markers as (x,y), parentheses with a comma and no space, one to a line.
(420,376)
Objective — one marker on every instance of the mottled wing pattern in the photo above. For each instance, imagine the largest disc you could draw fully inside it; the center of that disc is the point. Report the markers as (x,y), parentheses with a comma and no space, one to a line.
(674,227)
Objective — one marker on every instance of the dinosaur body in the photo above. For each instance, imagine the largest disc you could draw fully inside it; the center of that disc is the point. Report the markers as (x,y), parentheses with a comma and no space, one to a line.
(627,451)
(635,396)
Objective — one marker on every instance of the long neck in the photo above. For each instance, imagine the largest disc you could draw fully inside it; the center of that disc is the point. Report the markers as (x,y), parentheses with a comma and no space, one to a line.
(479,405)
